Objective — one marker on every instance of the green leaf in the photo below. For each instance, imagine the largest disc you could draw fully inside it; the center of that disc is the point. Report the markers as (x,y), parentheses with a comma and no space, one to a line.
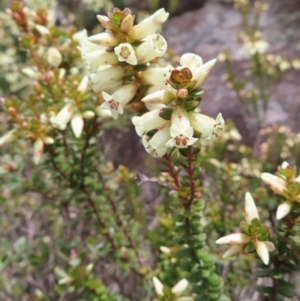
(265,290)
(286,289)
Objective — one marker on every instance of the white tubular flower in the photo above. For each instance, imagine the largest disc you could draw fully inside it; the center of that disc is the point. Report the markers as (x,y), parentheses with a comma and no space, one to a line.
(54,57)
(180,130)
(83,85)
(147,122)
(118,100)
(180,287)
(160,96)
(42,29)
(234,239)
(232,251)
(165,250)
(207,126)
(149,25)
(8,137)
(277,184)
(38,149)
(77,124)
(107,76)
(157,76)
(125,53)
(161,137)
(262,249)
(104,39)
(283,209)
(99,57)
(201,73)
(158,153)
(153,46)
(191,61)
(250,209)
(63,117)
(158,286)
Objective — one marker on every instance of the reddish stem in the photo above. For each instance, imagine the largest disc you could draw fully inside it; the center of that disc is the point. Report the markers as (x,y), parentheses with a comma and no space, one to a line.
(172,170)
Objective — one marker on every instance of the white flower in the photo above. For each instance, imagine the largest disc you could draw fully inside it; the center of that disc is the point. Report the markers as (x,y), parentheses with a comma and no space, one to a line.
(118,100)
(42,29)
(38,149)
(63,117)
(158,286)
(277,184)
(164,95)
(157,76)
(8,137)
(107,76)
(77,124)
(250,208)
(165,250)
(239,240)
(147,122)
(180,130)
(99,57)
(201,73)
(256,47)
(191,61)
(125,53)
(283,209)
(54,57)
(207,126)
(105,39)
(149,25)
(152,47)
(158,153)
(83,85)
(180,287)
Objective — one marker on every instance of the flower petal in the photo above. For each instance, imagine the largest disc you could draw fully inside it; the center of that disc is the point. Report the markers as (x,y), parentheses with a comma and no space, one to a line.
(250,208)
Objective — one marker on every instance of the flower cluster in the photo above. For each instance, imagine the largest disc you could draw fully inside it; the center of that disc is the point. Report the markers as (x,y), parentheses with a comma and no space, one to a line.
(175,291)
(120,63)
(253,237)
(286,184)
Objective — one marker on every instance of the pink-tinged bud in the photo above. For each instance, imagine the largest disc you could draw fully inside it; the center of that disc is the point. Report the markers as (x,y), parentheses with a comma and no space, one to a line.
(201,73)
(283,210)
(232,251)
(262,251)
(180,287)
(104,39)
(77,124)
(149,25)
(104,20)
(8,137)
(250,209)
(234,239)
(153,46)
(158,286)
(54,57)
(38,149)
(127,24)
(182,93)
(277,184)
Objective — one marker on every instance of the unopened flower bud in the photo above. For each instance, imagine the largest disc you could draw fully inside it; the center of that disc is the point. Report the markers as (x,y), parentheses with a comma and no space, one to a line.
(38,149)
(180,287)
(158,286)
(165,250)
(83,85)
(42,29)
(127,24)
(8,137)
(283,210)
(88,114)
(182,93)
(54,57)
